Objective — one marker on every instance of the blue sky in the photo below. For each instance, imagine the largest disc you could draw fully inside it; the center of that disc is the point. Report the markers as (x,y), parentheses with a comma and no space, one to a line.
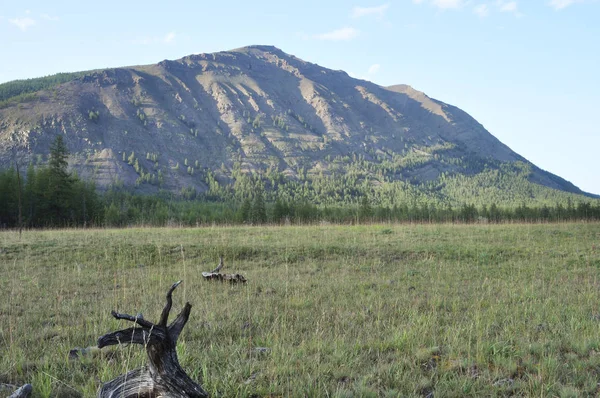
(529,71)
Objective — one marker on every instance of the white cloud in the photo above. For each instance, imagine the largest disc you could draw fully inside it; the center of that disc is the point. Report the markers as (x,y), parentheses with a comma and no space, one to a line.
(448,3)
(22,23)
(443,4)
(482,10)
(50,17)
(369,75)
(378,11)
(560,4)
(169,37)
(338,34)
(373,69)
(510,6)
(485,8)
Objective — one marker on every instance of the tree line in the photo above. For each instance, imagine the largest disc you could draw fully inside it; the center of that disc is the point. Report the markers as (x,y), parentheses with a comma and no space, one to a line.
(81,205)
(50,196)
(129,209)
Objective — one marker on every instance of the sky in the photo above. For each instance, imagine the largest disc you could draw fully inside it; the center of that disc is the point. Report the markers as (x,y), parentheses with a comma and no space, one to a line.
(528,71)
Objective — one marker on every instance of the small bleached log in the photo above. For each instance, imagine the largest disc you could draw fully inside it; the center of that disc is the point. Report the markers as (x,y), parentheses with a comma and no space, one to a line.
(22,392)
(216,275)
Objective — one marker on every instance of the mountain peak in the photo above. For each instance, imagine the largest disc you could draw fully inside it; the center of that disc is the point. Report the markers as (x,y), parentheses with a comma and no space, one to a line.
(270,49)
(179,123)
(264,47)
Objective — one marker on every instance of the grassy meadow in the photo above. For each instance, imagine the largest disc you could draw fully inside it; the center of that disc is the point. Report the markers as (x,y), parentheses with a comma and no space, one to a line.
(343,311)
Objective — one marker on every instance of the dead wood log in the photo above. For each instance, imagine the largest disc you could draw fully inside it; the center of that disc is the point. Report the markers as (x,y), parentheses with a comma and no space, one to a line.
(216,275)
(163,376)
(23,392)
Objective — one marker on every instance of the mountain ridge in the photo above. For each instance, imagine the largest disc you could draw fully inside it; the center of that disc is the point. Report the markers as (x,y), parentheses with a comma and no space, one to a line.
(252,109)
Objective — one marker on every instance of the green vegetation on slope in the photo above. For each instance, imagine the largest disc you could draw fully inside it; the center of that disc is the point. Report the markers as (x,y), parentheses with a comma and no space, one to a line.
(18,91)
(47,202)
(377,311)
(77,203)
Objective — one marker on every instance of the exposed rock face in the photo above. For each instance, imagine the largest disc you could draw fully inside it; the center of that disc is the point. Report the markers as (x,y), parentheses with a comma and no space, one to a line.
(251,108)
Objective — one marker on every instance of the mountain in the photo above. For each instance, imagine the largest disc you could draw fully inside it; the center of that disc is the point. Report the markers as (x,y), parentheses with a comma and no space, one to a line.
(256,109)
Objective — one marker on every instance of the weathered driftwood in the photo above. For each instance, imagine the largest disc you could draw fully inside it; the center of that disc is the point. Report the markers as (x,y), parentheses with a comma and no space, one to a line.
(216,275)
(163,376)
(23,392)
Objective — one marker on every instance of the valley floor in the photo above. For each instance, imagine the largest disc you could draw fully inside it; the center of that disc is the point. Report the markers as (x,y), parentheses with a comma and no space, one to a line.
(381,310)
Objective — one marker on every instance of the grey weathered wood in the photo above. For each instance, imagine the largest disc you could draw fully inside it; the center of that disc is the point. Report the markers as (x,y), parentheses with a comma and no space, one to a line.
(219,267)
(231,278)
(163,376)
(216,275)
(23,392)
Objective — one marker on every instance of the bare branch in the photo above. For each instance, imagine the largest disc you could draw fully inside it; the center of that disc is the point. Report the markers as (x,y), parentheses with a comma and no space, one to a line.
(139,320)
(219,267)
(165,313)
(133,336)
(177,325)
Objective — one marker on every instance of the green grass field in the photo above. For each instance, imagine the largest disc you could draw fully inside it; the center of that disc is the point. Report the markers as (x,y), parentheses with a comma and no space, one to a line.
(381,311)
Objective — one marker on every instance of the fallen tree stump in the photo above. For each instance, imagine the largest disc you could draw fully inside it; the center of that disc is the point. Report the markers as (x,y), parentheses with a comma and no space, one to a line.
(163,376)
(216,275)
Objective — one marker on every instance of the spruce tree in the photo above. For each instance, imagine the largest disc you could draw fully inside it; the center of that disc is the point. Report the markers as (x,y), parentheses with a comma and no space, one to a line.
(365,211)
(8,197)
(29,197)
(244,212)
(279,211)
(60,183)
(259,211)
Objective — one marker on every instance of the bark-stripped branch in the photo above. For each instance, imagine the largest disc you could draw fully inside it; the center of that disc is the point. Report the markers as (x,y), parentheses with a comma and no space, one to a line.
(216,270)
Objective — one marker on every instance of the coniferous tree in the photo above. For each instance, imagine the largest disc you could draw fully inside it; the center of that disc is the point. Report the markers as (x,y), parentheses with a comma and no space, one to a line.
(244,212)
(29,195)
(259,210)
(60,184)
(365,211)
(8,197)
(279,211)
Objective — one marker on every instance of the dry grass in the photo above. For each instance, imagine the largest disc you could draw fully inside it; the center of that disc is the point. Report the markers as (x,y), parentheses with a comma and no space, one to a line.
(344,311)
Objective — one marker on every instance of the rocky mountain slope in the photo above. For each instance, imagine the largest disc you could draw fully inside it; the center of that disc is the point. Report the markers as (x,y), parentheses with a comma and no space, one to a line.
(251,109)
